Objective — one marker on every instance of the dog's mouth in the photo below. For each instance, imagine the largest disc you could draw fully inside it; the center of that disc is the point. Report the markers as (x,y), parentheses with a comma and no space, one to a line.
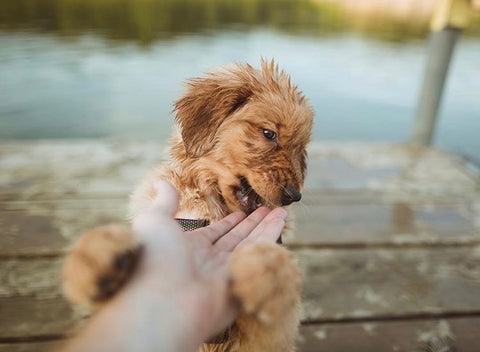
(247,197)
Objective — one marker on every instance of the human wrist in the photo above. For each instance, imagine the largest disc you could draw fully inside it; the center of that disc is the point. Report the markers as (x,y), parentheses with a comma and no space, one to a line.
(186,304)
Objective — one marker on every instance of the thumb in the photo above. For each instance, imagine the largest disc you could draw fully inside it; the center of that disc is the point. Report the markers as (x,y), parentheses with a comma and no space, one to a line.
(160,215)
(160,233)
(166,198)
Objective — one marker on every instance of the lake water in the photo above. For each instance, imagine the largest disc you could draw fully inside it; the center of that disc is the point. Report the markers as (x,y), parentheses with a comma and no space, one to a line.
(86,84)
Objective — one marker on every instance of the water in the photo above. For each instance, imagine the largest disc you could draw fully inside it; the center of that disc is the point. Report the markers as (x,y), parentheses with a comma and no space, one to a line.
(90,83)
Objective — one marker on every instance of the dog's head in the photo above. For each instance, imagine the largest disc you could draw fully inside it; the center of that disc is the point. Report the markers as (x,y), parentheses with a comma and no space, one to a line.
(256,125)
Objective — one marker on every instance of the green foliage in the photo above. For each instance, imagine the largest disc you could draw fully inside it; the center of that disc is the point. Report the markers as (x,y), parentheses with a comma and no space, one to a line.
(149,20)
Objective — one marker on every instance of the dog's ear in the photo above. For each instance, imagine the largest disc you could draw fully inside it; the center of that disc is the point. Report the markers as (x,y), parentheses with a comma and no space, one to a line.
(209,101)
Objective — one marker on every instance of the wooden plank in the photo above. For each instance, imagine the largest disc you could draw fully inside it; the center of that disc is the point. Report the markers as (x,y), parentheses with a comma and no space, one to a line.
(340,285)
(385,336)
(49,228)
(46,170)
(364,224)
(45,181)
(390,336)
(398,172)
(55,169)
(33,228)
(36,278)
(33,317)
(365,283)
(29,346)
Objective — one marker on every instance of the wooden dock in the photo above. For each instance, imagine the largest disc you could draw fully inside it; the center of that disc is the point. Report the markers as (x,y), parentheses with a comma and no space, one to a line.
(388,238)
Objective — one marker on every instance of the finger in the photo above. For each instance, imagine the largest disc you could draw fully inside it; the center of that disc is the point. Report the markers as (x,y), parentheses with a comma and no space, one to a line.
(269,229)
(220,228)
(160,214)
(158,231)
(242,230)
(166,198)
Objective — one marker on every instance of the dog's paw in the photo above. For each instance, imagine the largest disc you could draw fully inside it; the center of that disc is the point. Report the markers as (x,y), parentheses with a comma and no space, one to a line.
(99,264)
(266,280)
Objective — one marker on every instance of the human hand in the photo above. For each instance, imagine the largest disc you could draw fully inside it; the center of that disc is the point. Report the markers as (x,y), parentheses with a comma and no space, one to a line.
(179,295)
(194,265)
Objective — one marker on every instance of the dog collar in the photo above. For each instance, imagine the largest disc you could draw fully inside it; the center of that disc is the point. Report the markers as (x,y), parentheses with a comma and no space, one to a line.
(192,224)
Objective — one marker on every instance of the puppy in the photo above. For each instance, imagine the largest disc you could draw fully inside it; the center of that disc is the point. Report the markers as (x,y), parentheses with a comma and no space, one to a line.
(241,144)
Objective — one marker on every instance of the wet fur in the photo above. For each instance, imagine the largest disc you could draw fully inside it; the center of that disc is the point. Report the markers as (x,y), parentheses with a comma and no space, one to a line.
(220,121)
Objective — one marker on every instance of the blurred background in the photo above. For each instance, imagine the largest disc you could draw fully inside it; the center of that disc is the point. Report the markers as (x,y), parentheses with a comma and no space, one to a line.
(112,68)
(387,236)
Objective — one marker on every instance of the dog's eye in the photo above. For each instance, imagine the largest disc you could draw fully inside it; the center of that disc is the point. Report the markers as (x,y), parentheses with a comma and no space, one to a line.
(269,134)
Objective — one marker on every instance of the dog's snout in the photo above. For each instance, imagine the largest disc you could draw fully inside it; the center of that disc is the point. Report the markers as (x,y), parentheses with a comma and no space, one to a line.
(290,195)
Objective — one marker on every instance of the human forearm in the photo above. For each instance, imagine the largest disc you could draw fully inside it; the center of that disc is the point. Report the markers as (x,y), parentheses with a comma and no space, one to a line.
(137,320)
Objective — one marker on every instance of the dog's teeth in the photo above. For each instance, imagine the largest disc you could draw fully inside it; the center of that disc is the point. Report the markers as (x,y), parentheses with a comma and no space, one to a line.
(247,197)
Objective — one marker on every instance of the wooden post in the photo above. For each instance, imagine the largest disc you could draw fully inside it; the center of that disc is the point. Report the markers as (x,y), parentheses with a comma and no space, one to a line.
(449,18)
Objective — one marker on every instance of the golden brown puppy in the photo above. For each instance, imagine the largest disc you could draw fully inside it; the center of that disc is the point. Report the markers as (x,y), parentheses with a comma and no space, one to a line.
(241,144)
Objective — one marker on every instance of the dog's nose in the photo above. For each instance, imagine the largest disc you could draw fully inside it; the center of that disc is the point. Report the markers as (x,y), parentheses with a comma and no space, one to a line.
(290,195)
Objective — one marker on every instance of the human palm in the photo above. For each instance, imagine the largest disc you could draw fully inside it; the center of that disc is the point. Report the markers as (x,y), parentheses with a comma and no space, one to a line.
(197,261)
